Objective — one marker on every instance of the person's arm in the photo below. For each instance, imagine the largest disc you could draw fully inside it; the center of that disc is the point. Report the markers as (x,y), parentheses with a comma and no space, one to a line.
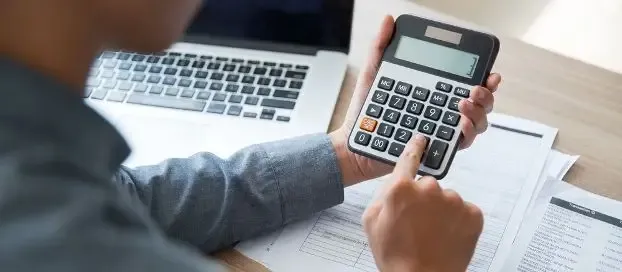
(212,203)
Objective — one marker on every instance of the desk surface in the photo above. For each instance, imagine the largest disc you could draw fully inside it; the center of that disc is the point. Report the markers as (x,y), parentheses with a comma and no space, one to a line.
(583,101)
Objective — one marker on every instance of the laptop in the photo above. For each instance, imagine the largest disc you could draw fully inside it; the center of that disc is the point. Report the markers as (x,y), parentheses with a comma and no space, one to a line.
(246,72)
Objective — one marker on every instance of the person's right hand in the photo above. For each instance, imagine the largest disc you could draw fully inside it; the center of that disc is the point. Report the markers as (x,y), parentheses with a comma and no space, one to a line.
(417,226)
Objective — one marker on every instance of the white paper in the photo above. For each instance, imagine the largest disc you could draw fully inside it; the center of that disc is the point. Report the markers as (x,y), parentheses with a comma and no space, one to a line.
(498,173)
(569,229)
(557,166)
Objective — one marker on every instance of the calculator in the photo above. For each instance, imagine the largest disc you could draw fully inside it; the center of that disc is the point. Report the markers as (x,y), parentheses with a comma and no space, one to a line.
(426,70)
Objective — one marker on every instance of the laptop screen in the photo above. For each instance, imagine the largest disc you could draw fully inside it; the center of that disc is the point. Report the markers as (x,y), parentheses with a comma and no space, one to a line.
(324,24)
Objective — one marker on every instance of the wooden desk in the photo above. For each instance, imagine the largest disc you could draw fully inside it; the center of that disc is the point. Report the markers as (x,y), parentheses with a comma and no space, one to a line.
(583,101)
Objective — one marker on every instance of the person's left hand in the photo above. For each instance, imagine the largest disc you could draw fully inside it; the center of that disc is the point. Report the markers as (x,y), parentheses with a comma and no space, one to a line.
(357,168)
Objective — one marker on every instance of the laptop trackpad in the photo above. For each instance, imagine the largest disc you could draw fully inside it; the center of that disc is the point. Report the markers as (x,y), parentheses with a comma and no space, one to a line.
(155,139)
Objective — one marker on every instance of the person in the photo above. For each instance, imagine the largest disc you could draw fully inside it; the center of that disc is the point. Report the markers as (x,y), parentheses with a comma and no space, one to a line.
(67,203)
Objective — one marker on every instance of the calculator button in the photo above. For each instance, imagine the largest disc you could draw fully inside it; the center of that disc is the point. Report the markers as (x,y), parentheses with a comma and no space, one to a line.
(386,83)
(362,138)
(403,135)
(436,154)
(368,124)
(379,144)
(396,149)
(439,99)
(433,113)
(453,103)
(397,102)
(409,121)
(391,116)
(451,118)
(380,97)
(462,92)
(385,130)
(445,133)
(421,93)
(414,107)
(374,110)
(427,127)
(442,86)
(403,88)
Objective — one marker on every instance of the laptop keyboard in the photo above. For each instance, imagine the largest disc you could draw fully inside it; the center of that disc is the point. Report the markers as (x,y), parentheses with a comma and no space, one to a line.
(211,84)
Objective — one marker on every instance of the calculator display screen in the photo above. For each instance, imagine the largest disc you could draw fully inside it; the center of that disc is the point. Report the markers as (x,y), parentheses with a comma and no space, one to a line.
(436,56)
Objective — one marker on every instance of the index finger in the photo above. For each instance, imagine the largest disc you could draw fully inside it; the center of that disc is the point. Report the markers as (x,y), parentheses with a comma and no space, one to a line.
(408,163)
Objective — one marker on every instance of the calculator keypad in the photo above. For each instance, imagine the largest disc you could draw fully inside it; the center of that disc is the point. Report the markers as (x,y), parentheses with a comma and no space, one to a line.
(399,108)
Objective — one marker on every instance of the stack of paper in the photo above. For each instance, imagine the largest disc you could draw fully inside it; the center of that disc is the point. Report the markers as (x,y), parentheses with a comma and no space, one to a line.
(500,173)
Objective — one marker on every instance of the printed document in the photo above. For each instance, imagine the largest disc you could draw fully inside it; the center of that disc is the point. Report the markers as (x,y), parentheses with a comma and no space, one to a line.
(569,230)
(498,173)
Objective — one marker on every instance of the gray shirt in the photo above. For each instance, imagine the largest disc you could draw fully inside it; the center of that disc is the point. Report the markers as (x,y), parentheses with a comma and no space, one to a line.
(67,204)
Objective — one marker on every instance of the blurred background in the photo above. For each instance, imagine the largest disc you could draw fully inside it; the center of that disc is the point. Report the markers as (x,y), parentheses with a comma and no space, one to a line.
(587,30)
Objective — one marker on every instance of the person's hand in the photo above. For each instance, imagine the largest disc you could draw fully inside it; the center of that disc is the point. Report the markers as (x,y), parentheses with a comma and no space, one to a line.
(417,226)
(358,168)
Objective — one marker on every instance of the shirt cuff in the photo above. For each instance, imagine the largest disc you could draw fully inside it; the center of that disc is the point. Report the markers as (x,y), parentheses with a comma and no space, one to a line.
(307,174)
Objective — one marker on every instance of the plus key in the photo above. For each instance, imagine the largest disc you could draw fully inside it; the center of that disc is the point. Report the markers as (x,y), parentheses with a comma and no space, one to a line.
(435,155)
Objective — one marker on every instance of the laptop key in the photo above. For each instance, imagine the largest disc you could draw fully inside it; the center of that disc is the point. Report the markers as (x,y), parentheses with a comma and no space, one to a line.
(140,68)
(123,56)
(205,57)
(107,73)
(219,97)
(222,58)
(198,64)
(201,74)
(87,92)
(250,115)
(170,71)
(285,94)
(283,118)
(140,88)
(190,56)
(234,110)
(185,73)
(248,79)
(267,114)
(99,94)
(110,64)
(156,90)
(123,75)
(248,89)
(232,88)
(216,86)
(251,100)
(110,84)
(138,77)
(169,81)
(116,96)
(125,86)
(295,74)
(218,108)
(172,91)
(253,62)
(217,76)
(153,59)
(264,91)
(93,82)
(184,82)
(264,81)
(232,78)
(174,54)
(260,71)
(183,63)
(275,103)
(200,84)
(107,55)
(279,83)
(244,69)
(228,68)
(237,99)
(285,65)
(154,79)
(213,66)
(295,84)
(203,95)
(237,60)
(168,61)
(166,102)
(302,67)
(187,93)
(125,66)
(269,63)
(155,69)
(96,63)
(138,58)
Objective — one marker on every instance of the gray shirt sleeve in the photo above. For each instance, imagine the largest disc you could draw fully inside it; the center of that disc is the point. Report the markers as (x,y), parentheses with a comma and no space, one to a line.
(212,202)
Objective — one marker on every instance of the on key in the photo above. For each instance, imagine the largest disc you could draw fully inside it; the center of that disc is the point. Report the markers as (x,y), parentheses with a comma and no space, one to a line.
(436,154)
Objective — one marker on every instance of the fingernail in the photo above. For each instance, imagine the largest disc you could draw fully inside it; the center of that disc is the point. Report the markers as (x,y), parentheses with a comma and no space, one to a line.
(420,138)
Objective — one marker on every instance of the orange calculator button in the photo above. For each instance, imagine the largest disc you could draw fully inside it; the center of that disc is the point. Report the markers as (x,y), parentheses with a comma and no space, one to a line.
(368,124)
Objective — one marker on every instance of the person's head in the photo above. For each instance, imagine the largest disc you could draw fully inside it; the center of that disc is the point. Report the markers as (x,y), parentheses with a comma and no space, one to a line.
(138,25)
